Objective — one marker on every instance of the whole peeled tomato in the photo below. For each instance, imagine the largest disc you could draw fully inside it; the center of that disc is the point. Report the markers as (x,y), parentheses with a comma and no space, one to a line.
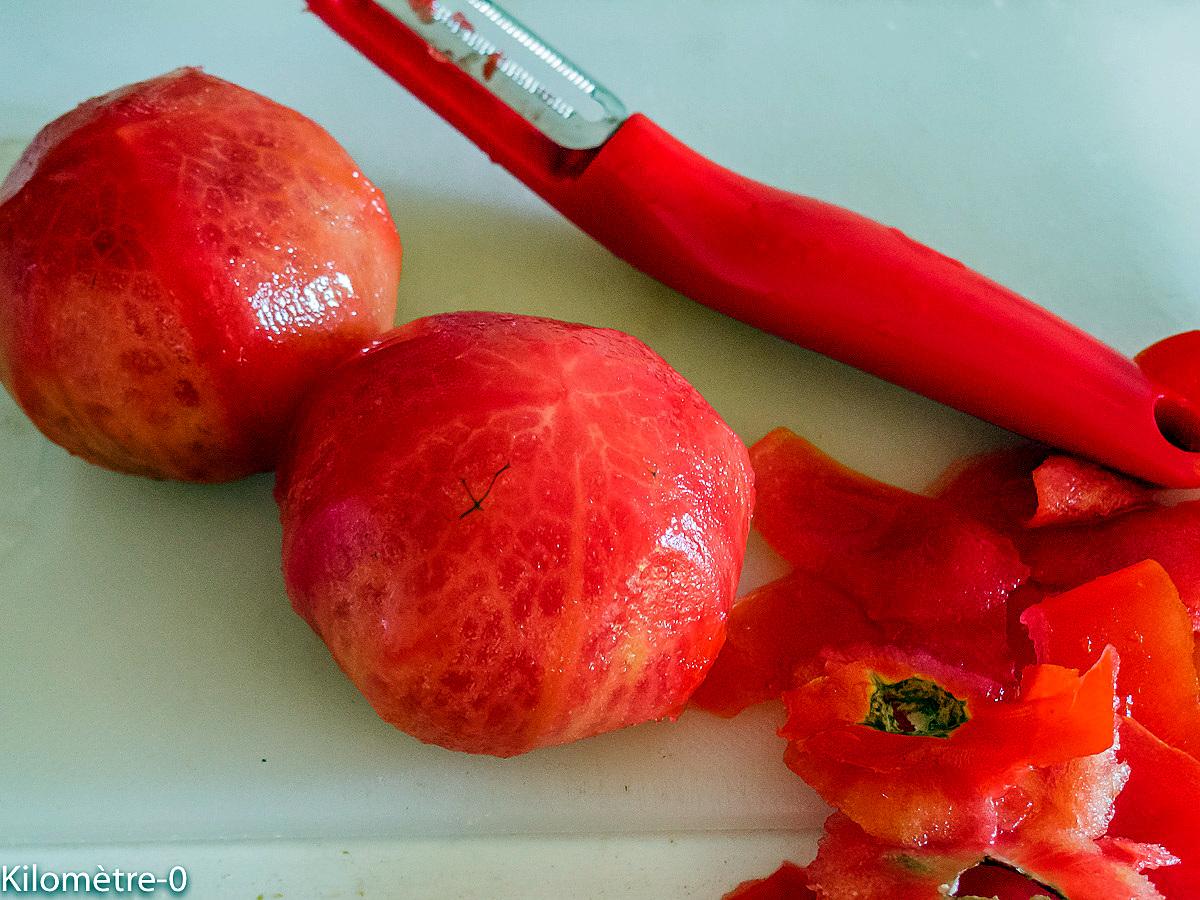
(179,260)
(514,532)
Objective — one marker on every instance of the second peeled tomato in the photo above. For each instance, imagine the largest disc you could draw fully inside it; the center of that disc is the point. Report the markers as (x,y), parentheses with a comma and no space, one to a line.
(180,259)
(514,532)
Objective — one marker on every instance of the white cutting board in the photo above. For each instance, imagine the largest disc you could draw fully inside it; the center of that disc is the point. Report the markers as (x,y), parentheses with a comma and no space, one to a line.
(159,702)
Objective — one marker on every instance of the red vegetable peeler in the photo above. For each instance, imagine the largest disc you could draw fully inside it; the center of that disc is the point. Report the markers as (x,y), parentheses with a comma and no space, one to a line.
(807,271)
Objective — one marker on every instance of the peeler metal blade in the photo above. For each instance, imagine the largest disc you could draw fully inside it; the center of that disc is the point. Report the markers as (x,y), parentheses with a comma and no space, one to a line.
(519,68)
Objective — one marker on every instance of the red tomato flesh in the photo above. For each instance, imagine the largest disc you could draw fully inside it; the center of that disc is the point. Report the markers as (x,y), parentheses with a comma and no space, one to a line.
(180,260)
(514,532)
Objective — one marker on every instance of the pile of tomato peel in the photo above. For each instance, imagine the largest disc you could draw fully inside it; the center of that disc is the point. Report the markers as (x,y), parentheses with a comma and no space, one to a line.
(993,683)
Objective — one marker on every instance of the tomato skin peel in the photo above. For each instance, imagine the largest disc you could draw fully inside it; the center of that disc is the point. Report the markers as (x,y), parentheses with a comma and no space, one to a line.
(1161,803)
(1103,523)
(851,863)
(961,789)
(775,639)
(1031,780)
(1139,611)
(920,574)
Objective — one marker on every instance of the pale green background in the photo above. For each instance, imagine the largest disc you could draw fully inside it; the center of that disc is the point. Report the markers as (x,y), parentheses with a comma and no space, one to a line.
(148,657)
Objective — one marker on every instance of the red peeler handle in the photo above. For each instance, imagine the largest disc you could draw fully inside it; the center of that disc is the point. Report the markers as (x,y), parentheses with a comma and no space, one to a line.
(868,295)
(814,273)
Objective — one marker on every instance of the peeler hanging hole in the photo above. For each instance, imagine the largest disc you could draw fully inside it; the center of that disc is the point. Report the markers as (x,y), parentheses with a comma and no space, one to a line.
(1178,421)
